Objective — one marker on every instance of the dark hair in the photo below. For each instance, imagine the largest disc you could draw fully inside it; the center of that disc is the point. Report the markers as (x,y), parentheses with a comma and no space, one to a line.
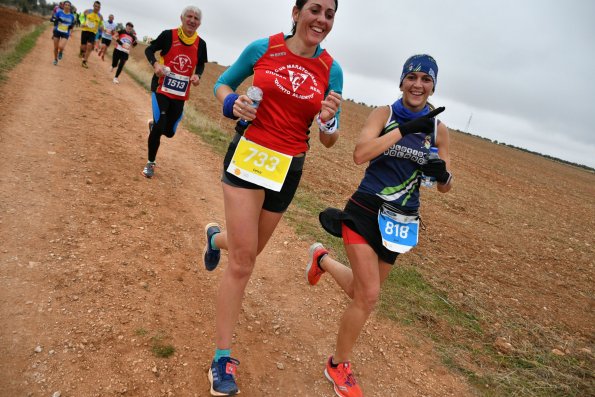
(300,4)
(129,24)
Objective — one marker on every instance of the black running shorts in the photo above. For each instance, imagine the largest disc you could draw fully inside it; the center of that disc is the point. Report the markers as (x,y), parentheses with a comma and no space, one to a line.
(273,201)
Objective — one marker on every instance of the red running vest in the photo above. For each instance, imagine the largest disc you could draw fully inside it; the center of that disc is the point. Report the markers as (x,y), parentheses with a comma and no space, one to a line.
(181,59)
(293,88)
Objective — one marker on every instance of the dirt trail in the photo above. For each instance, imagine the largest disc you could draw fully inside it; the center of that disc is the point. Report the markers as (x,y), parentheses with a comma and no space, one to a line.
(97,263)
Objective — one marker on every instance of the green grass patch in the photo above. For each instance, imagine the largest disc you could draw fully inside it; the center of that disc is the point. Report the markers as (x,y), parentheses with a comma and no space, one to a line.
(141,332)
(19,46)
(160,348)
(532,377)
(539,372)
(209,132)
(409,299)
(163,351)
(302,216)
(139,74)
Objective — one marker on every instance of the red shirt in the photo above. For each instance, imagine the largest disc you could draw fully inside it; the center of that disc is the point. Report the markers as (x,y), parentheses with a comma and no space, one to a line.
(127,41)
(293,88)
(181,59)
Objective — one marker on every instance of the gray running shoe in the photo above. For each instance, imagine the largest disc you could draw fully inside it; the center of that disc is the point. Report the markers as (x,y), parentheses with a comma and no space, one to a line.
(211,256)
(149,170)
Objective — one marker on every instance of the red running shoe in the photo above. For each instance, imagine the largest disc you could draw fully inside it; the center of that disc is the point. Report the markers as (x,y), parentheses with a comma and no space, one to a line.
(313,270)
(342,379)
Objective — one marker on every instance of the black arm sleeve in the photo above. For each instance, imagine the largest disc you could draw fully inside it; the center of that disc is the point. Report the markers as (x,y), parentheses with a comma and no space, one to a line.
(161,43)
(202,57)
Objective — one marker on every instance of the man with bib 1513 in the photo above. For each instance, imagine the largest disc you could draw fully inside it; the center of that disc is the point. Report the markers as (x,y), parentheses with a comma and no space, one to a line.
(182,61)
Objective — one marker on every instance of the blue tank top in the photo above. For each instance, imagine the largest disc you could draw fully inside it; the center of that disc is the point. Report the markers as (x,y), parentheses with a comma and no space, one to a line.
(395,175)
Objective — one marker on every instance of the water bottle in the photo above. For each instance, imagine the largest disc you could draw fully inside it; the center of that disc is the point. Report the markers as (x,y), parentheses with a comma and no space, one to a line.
(255,94)
(430,181)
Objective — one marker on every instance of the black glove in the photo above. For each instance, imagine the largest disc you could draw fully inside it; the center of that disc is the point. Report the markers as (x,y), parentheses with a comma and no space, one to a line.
(423,124)
(437,169)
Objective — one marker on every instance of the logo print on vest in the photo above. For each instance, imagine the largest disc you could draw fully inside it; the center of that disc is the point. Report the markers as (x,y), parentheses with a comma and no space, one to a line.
(297,79)
(182,63)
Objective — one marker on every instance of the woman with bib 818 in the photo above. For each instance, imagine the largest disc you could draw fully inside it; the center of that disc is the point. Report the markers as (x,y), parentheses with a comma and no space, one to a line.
(381,218)
(301,84)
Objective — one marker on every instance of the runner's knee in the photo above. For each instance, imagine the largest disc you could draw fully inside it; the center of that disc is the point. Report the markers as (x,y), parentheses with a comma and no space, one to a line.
(367,298)
(241,262)
(160,128)
(242,270)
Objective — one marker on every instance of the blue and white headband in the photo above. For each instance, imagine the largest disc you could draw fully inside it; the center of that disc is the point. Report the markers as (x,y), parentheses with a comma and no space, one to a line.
(421,63)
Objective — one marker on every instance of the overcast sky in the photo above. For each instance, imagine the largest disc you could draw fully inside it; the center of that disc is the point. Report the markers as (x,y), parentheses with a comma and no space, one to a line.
(521,70)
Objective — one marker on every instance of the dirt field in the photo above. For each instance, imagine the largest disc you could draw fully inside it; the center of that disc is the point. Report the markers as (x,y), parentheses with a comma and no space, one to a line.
(13,20)
(98,265)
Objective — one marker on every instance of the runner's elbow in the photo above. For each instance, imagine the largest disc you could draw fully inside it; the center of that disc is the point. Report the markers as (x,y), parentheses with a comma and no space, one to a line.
(359,156)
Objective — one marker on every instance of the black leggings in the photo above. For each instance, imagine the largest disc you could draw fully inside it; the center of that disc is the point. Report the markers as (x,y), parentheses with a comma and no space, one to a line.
(167,114)
(119,57)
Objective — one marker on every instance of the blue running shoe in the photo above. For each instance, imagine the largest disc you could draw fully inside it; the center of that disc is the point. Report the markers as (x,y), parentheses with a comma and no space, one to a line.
(60,55)
(211,256)
(222,377)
